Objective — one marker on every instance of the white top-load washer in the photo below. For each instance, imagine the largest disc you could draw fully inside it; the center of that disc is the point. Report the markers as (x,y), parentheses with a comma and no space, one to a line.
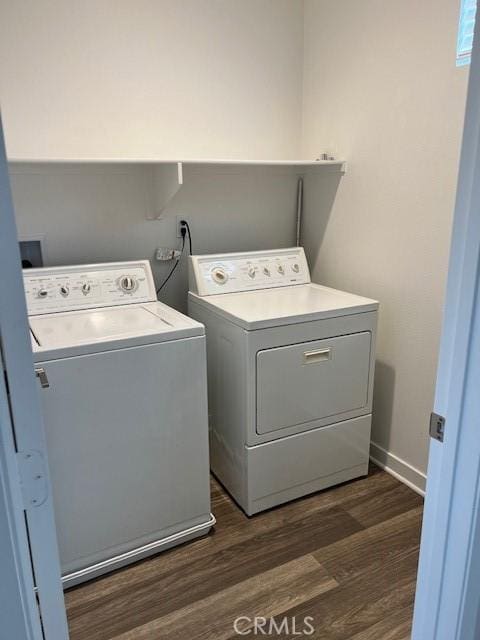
(290,371)
(122,379)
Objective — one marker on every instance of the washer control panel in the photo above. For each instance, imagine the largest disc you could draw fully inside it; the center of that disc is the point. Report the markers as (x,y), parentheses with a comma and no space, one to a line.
(55,289)
(234,272)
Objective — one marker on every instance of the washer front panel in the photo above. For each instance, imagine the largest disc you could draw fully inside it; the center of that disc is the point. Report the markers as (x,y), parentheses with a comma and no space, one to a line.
(234,272)
(51,290)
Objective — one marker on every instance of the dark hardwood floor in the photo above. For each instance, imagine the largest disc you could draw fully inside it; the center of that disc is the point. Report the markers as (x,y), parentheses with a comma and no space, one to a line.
(346,557)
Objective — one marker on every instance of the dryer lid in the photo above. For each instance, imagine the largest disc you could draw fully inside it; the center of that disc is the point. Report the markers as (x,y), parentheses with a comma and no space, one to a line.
(288,305)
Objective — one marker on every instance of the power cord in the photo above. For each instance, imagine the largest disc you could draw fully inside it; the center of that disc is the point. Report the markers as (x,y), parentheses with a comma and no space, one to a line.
(184,229)
(184,225)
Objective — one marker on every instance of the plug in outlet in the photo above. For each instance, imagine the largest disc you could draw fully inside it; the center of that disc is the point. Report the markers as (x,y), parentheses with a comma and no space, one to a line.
(179,225)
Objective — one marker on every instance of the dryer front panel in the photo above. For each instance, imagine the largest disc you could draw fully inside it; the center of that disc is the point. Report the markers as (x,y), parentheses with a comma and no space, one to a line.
(304,383)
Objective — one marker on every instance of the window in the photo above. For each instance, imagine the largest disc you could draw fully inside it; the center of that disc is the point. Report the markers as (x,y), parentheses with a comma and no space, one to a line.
(465,31)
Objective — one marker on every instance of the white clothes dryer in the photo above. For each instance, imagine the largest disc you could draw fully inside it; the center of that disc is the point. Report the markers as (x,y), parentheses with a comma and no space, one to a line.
(290,374)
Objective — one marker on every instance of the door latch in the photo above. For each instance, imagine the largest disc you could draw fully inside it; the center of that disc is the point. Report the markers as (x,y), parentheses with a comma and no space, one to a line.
(42,376)
(437,427)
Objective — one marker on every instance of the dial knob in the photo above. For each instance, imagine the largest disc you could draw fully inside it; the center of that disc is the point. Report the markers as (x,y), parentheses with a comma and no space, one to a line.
(266,271)
(42,293)
(219,275)
(64,290)
(86,288)
(295,267)
(252,272)
(128,284)
(280,269)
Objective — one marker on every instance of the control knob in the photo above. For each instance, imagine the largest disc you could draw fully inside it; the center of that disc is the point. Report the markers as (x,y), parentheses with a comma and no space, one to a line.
(295,267)
(219,275)
(42,293)
(280,269)
(64,290)
(128,284)
(266,271)
(252,272)
(86,288)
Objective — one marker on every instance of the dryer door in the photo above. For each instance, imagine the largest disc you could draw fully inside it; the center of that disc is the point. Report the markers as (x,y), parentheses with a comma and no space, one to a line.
(304,383)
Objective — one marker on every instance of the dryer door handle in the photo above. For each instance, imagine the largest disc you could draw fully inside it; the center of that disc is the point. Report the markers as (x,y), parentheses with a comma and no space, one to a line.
(317,355)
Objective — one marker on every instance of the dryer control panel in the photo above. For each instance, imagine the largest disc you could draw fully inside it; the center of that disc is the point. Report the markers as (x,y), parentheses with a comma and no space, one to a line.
(55,289)
(235,272)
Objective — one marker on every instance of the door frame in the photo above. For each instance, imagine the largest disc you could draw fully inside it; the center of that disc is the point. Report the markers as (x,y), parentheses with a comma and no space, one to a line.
(18,606)
(32,535)
(447,598)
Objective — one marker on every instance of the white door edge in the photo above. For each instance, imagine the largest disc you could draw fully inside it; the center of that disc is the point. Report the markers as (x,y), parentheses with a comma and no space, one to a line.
(446,605)
(18,606)
(28,430)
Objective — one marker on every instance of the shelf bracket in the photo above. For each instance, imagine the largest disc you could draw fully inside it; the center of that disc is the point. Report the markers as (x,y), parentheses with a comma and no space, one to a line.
(167,179)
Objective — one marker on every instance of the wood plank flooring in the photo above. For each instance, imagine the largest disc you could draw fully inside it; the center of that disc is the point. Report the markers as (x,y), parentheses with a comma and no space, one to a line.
(346,557)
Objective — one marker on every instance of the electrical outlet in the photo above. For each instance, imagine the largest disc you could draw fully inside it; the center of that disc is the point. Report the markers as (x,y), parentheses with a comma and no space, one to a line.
(179,226)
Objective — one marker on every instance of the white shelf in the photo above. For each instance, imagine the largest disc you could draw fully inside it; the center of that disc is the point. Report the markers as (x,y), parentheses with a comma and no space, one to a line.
(220,161)
(167,175)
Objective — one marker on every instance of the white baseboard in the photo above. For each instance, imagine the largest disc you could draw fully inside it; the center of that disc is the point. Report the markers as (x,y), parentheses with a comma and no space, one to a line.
(398,468)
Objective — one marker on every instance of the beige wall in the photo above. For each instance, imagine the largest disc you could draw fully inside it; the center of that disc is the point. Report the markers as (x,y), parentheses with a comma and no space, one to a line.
(381,88)
(151,78)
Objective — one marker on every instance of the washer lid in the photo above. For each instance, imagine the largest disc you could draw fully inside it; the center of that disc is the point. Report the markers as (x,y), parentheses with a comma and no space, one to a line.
(81,327)
(288,305)
(110,324)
